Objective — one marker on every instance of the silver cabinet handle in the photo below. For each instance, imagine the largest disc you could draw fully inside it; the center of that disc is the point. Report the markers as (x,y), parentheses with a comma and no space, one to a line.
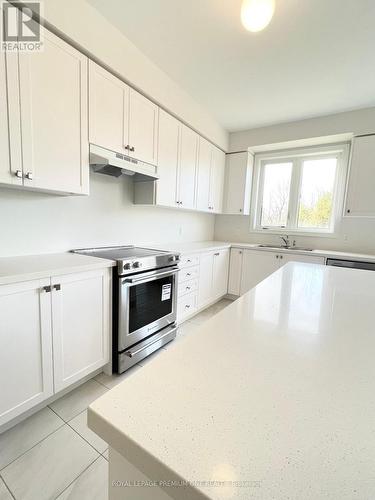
(29,176)
(216,254)
(18,173)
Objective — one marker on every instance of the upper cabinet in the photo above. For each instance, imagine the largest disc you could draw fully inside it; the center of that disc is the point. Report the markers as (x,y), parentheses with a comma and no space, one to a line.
(121,119)
(187,167)
(143,123)
(238,180)
(217,180)
(210,177)
(168,147)
(8,174)
(108,109)
(47,105)
(360,199)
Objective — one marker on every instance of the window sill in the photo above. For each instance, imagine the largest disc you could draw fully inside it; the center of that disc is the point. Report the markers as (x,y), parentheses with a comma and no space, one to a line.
(279,232)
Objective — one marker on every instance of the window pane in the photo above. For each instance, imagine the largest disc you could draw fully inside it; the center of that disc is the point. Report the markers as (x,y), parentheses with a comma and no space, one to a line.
(276,188)
(316,198)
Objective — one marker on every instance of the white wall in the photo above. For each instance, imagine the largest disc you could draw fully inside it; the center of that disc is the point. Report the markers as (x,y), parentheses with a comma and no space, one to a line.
(80,22)
(355,234)
(34,223)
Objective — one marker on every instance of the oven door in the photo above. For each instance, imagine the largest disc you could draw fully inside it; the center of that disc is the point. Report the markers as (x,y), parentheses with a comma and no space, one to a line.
(147,303)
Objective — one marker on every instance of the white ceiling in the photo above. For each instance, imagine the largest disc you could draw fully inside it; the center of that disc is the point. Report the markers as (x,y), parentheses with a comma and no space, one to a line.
(316,57)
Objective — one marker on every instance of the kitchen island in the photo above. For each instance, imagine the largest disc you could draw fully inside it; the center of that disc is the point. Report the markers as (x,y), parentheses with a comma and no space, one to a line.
(272,398)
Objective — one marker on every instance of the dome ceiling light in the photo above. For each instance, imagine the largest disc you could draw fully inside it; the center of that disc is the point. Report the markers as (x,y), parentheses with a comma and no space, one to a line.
(257,14)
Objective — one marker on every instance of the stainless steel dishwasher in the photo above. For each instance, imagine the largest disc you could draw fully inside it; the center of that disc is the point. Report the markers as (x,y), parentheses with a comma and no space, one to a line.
(354,264)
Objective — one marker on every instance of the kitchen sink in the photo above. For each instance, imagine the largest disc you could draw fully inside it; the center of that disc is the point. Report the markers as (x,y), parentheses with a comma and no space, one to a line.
(282,247)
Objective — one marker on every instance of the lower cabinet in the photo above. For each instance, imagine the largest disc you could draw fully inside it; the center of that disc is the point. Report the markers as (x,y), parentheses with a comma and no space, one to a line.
(213,276)
(26,372)
(53,332)
(250,267)
(80,316)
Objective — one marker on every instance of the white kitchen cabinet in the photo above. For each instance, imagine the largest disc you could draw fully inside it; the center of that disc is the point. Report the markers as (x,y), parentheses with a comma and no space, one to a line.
(309,259)
(250,267)
(108,110)
(238,183)
(168,142)
(204,175)
(80,314)
(143,125)
(220,273)
(205,279)
(121,119)
(188,149)
(360,199)
(235,271)
(213,276)
(52,92)
(217,180)
(25,347)
(256,266)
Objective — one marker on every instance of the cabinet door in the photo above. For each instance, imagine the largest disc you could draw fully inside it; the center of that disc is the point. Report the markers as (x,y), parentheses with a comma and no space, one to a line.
(108,110)
(187,167)
(310,259)
(361,186)
(80,313)
(205,279)
(53,110)
(25,347)
(217,180)
(235,271)
(256,266)
(8,172)
(203,175)
(143,122)
(220,273)
(237,186)
(166,185)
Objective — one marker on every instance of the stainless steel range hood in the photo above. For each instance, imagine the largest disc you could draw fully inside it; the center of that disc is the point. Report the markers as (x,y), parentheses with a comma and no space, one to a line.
(104,161)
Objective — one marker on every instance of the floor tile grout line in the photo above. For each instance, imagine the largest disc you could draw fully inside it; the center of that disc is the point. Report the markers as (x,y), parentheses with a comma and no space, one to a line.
(79,475)
(82,436)
(7,487)
(36,444)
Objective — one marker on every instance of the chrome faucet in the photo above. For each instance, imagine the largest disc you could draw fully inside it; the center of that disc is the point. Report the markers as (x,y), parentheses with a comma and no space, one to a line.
(285,240)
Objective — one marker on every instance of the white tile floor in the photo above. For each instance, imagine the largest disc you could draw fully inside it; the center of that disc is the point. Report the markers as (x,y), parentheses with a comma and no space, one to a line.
(54,455)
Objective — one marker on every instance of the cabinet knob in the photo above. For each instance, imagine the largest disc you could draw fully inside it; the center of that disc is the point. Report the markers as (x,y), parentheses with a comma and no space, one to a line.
(127,147)
(18,173)
(57,287)
(46,289)
(281,256)
(29,176)
(240,209)
(277,256)
(132,149)
(348,211)
(187,306)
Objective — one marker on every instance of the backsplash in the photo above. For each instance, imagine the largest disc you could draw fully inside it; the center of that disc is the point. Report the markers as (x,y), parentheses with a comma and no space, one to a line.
(33,223)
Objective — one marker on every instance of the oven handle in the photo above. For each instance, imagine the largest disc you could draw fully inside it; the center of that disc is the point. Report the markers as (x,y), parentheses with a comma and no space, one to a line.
(143,279)
(130,354)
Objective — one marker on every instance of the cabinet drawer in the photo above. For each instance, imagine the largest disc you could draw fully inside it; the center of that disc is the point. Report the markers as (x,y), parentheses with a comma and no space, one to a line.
(186,305)
(189,260)
(188,274)
(187,287)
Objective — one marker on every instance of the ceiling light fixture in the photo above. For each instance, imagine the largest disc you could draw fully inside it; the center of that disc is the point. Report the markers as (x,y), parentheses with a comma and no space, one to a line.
(257,14)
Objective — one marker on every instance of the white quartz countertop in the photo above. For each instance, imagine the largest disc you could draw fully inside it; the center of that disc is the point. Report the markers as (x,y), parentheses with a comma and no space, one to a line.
(273,395)
(29,267)
(191,247)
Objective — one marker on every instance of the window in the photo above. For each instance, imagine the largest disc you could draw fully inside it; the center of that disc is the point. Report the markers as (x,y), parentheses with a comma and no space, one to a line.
(300,190)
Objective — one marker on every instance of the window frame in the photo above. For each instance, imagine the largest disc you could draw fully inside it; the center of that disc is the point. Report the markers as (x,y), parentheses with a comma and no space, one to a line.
(297,156)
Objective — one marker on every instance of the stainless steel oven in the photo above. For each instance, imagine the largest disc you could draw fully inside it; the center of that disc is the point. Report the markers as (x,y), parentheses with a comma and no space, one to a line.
(144,301)
(147,303)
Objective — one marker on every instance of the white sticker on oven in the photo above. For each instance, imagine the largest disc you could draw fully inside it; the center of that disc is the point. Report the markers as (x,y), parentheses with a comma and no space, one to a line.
(166,292)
